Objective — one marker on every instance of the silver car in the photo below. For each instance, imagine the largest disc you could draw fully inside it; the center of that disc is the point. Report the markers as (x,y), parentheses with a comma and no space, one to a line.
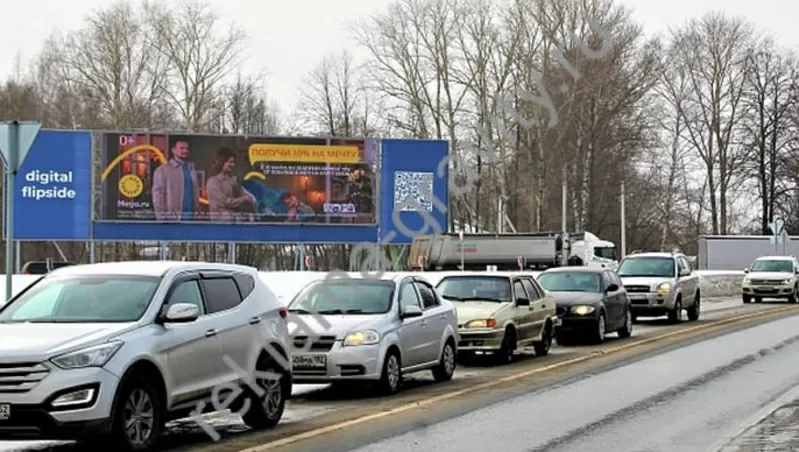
(377,330)
(661,284)
(110,352)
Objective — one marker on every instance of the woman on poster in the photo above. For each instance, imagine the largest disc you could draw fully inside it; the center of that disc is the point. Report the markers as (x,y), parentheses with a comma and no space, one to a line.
(225,198)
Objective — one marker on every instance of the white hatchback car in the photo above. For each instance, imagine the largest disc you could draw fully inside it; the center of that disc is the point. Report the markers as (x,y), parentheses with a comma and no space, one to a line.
(372,329)
(111,352)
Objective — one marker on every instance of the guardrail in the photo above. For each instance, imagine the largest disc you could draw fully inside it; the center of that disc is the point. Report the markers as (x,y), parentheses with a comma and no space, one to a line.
(712,283)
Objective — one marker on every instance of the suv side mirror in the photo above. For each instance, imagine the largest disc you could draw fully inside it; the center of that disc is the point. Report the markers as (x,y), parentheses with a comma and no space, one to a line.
(409,312)
(522,302)
(181,313)
(746,270)
(612,287)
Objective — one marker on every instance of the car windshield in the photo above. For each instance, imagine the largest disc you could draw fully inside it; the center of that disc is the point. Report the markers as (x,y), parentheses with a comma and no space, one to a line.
(607,252)
(79,299)
(344,297)
(777,266)
(659,267)
(570,282)
(475,288)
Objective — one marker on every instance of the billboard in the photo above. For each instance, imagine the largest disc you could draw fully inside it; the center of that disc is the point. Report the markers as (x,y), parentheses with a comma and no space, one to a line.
(414,187)
(52,199)
(229,179)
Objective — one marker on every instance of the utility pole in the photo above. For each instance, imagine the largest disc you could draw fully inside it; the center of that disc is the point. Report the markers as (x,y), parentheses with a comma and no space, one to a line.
(623,222)
(565,240)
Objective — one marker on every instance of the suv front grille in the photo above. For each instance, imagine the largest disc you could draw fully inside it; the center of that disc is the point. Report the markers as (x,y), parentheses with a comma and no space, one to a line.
(317,344)
(17,378)
(638,289)
(768,282)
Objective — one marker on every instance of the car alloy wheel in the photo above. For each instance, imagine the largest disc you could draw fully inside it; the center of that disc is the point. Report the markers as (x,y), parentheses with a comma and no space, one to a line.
(449,359)
(139,417)
(393,372)
(601,328)
(272,398)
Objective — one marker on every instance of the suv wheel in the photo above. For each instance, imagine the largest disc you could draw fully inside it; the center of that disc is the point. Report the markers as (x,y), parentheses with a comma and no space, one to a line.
(446,366)
(138,417)
(695,310)
(795,295)
(266,409)
(675,315)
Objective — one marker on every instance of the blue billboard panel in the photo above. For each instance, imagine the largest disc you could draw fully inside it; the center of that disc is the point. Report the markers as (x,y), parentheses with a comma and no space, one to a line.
(414,189)
(242,233)
(53,189)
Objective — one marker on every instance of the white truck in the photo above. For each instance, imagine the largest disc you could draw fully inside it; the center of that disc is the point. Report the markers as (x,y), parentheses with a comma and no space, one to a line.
(541,250)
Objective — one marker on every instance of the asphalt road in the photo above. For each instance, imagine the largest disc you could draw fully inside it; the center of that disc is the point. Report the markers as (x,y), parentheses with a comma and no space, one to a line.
(692,399)
(608,396)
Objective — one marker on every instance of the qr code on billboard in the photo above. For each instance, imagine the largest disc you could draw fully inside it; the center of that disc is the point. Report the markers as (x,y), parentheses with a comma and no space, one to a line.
(413,191)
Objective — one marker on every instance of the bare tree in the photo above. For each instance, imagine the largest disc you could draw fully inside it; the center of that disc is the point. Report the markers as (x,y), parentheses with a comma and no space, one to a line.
(200,57)
(769,94)
(713,52)
(334,99)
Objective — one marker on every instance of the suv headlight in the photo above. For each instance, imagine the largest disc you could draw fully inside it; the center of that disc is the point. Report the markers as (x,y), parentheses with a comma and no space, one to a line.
(368,337)
(788,281)
(664,289)
(95,356)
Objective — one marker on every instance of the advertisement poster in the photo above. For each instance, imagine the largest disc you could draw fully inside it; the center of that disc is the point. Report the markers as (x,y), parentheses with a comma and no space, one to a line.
(234,179)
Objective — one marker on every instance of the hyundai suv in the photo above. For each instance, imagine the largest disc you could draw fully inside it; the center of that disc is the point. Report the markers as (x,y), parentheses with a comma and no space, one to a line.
(113,351)
(661,284)
(771,277)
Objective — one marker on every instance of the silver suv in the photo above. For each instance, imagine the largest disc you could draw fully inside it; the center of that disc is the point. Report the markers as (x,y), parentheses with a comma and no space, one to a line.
(661,284)
(114,351)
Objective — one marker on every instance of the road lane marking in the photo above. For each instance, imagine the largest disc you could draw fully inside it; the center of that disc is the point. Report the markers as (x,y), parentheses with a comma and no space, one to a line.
(508,378)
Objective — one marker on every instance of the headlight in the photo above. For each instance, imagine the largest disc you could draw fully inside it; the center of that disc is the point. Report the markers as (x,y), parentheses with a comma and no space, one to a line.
(582,310)
(664,289)
(368,337)
(787,281)
(485,323)
(95,356)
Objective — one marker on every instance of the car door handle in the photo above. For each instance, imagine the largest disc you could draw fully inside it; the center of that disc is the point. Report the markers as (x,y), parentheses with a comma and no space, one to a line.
(254,320)
(210,333)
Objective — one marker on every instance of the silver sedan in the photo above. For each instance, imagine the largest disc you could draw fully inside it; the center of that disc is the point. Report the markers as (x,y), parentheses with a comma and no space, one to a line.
(372,329)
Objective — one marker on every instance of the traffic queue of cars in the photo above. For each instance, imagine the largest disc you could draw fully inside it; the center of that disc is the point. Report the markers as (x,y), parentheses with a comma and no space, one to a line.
(111,352)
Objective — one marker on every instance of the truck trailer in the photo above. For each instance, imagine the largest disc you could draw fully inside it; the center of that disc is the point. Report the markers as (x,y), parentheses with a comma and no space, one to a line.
(540,250)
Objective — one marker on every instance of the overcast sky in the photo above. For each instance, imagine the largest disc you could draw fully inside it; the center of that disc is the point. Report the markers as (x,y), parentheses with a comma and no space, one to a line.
(287,38)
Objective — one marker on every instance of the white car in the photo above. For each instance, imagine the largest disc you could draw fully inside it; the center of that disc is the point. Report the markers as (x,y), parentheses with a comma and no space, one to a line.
(110,352)
(372,329)
(771,277)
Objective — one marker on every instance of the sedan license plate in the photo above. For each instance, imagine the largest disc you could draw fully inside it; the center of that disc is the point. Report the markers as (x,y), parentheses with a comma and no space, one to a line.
(5,411)
(309,362)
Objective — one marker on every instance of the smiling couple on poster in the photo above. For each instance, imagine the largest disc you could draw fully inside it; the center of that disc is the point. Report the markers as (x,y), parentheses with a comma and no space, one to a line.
(176,191)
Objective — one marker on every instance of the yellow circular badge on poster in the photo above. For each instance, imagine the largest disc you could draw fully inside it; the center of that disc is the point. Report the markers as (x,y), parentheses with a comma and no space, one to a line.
(131,186)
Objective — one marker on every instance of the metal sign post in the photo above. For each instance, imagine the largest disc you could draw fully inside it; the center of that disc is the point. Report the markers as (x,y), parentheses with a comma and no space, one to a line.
(16,139)
(777,234)
(463,257)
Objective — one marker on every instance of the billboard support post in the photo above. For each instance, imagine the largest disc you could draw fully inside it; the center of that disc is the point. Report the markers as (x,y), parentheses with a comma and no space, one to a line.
(15,141)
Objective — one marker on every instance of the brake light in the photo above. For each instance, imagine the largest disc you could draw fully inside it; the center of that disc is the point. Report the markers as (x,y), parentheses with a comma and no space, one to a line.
(284,313)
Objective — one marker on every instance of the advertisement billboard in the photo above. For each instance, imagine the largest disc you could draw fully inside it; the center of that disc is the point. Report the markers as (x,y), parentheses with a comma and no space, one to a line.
(228,179)
(52,199)
(415,189)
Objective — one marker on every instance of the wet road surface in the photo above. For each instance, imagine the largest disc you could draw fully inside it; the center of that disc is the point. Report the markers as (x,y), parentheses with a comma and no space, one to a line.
(687,400)
(312,400)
